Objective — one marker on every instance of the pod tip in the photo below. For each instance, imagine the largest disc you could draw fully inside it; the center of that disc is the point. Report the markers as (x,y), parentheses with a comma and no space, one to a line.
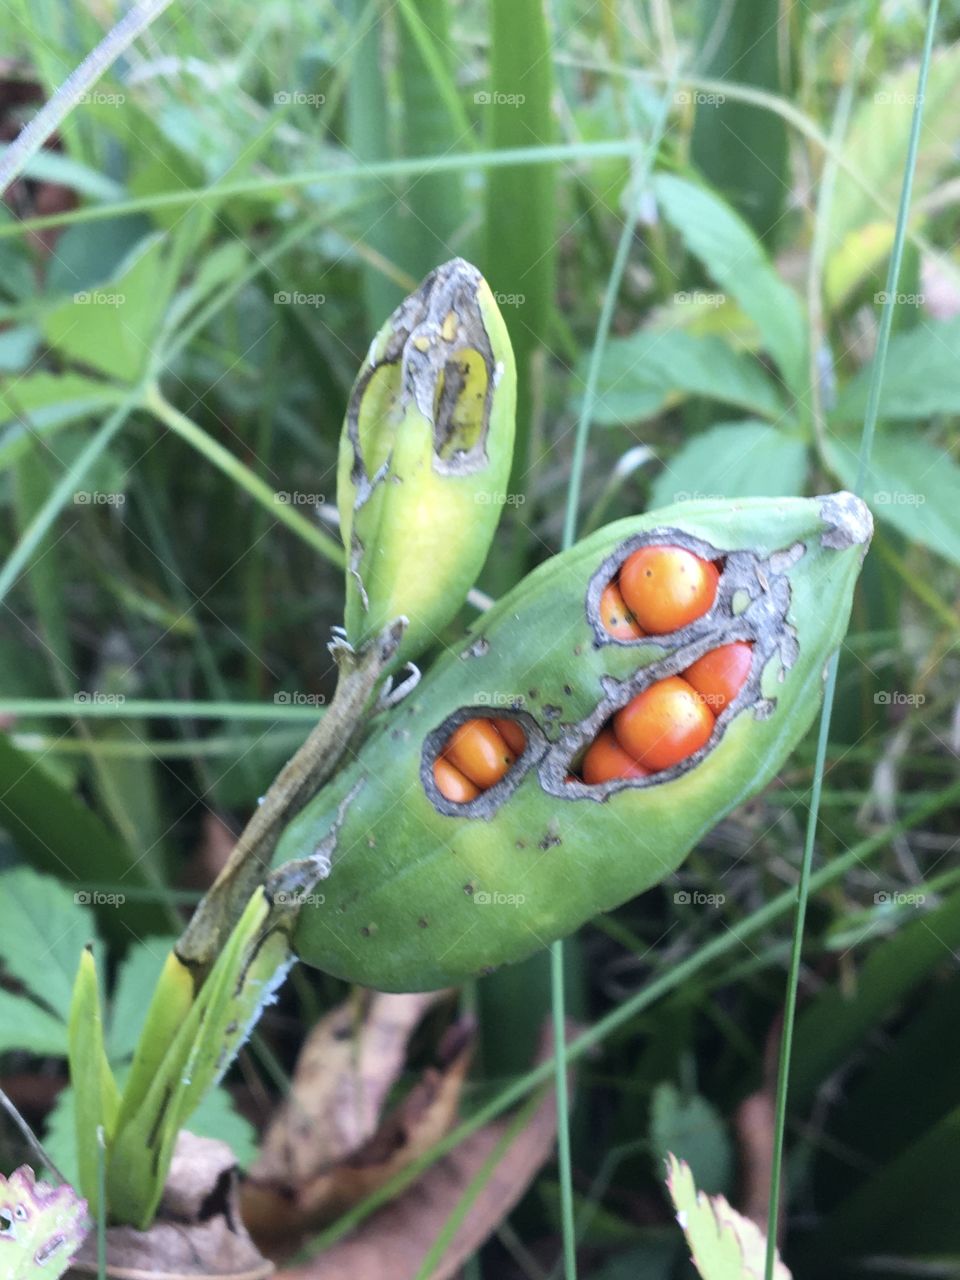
(848,521)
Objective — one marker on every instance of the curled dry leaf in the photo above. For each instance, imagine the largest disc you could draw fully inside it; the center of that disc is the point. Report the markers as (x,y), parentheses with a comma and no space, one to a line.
(394,1243)
(329,1146)
(41,1227)
(198,1230)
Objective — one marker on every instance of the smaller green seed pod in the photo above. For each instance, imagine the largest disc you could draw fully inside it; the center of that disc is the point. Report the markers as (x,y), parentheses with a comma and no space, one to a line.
(425,456)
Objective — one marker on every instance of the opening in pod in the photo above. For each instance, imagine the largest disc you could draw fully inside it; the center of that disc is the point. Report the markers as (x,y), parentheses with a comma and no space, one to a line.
(654,585)
(644,735)
(476,757)
(667,722)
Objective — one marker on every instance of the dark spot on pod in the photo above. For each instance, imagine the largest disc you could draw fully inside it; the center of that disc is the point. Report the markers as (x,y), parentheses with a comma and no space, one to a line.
(232,1028)
(423,922)
(567,690)
(521,844)
(551,711)
(533,693)
(550,838)
(469,889)
(368,930)
(400,735)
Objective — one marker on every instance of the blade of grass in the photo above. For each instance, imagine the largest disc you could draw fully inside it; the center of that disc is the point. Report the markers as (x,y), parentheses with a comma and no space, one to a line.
(866,445)
(32,537)
(241,475)
(49,118)
(519,257)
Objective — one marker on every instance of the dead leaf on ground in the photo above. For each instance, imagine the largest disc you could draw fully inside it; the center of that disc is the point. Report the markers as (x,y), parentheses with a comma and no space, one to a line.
(394,1242)
(329,1145)
(198,1230)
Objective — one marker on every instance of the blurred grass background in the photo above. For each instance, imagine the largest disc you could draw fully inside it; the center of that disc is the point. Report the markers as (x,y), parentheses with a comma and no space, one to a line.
(189,278)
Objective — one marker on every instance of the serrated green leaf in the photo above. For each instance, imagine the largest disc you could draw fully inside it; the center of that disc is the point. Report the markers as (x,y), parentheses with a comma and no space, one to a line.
(43,930)
(723,1244)
(641,374)
(217,1117)
(921,376)
(733,460)
(26,1026)
(111,327)
(737,261)
(692,1127)
(912,485)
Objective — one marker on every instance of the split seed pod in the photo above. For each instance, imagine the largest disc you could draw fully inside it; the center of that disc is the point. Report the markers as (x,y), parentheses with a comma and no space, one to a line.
(425,456)
(423,892)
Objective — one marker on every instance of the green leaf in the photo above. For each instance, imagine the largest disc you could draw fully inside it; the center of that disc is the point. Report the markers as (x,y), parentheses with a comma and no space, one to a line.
(60,834)
(43,1227)
(97,1098)
(111,326)
(26,1026)
(216,269)
(740,147)
(42,403)
(723,1244)
(641,374)
(55,166)
(920,378)
(736,260)
(136,978)
(734,460)
(43,930)
(217,1117)
(912,485)
(692,1127)
(17,347)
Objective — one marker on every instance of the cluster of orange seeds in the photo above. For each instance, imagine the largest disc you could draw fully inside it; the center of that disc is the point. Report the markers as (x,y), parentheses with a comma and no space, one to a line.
(477,755)
(659,589)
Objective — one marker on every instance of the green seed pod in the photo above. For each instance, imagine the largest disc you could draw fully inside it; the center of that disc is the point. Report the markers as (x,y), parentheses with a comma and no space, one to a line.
(422,892)
(425,456)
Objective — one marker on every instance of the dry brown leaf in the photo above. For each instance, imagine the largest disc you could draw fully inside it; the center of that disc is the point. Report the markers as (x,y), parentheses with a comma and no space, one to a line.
(394,1242)
(347,1066)
(198,1230)
(306,1175)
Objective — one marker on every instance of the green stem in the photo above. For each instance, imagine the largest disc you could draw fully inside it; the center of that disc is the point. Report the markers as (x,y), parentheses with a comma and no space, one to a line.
(241,475)
(866,446)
